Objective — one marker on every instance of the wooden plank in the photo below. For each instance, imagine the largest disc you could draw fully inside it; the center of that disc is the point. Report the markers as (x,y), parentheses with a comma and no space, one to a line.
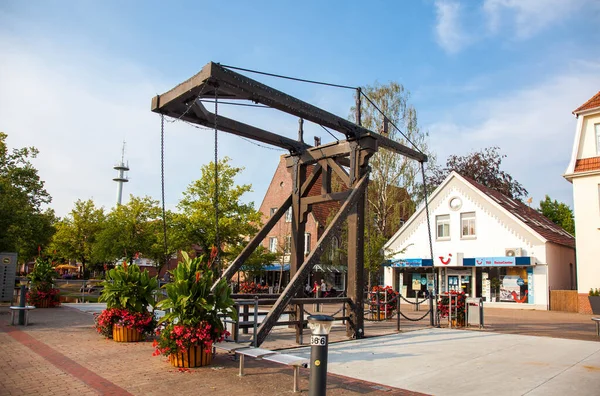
(339,171)
(206,118)
(237,86)
(315,199)
(297,282)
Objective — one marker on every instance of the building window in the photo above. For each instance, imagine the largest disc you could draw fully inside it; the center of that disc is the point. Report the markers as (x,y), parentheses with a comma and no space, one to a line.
(273,244)
(273,210)
(443,227)
(597,139)
(306,243)
(467,222)
(288,215)
(288,244)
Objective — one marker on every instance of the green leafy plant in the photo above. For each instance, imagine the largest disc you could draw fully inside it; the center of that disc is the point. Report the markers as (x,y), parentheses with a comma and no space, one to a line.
(128,292)
(192,317)
(593,293)
(42,293)
(127,287)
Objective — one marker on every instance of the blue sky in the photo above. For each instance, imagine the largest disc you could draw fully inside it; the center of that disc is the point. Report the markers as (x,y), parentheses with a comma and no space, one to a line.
(77,77)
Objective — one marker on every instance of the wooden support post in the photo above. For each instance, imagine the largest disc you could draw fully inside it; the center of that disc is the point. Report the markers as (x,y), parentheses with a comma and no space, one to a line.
(298,221)
(297,282)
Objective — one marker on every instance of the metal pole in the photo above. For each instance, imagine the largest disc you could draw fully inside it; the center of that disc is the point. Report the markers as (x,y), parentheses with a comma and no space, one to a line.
(398,312)
(22,302)
(319,340)
(255,321)
(431,310)
(378,309)
(450,309)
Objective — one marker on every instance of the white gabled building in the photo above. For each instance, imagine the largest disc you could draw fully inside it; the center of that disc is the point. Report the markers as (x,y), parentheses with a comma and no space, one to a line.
(584,172)
(485,244)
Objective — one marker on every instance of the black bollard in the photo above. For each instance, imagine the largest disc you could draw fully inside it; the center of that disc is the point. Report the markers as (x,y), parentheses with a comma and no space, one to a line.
(22,300)
(320,326)
(431,321)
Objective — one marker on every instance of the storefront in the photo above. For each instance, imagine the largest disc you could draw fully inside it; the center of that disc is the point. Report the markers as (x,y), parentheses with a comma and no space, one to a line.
(410,277)
(503,279)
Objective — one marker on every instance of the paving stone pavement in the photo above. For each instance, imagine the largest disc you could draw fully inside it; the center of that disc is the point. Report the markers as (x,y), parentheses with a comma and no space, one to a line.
(60,353)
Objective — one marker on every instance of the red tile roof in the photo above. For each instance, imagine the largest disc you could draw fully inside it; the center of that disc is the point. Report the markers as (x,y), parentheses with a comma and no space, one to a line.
(530,217)
(590,104)
(587,164)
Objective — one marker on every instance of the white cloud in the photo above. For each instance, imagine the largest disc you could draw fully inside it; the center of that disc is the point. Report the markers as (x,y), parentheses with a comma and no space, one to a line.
(533,126)
(529,17)
(449,31)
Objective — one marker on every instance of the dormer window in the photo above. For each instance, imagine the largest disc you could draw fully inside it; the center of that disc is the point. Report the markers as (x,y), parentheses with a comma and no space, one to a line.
(597,139)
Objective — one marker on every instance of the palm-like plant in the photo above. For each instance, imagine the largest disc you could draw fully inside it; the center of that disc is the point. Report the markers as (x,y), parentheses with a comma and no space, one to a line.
(192,318)
(128,287)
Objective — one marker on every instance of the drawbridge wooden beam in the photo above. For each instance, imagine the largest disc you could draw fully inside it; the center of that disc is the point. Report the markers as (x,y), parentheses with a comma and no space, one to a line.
(216,80)
(297,282)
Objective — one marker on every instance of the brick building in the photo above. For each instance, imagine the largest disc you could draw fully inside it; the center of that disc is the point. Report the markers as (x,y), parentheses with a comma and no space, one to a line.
(279,238)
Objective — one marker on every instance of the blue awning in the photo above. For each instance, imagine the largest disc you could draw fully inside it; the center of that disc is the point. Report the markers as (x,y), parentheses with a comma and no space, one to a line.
(414,262)
(507,261)
(271,267)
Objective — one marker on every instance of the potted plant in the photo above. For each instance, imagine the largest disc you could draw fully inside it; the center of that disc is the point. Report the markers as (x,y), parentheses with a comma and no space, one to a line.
(42,294)
(457,316)
(128,293)
(594,297)
(192,323)
(386,297)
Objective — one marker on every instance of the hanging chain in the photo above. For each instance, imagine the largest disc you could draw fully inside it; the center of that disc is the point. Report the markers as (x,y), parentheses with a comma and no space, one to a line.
(217,241)
(162,183)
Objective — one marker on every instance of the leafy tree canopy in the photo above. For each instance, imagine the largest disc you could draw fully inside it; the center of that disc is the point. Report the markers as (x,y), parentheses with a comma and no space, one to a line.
(24,224)
(236,219)
(77,233)
(559,213)
(482,166)
(130,229)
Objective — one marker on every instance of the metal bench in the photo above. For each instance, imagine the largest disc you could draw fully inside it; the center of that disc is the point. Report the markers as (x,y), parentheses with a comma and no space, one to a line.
(597,320)
(25,309)
(265,354)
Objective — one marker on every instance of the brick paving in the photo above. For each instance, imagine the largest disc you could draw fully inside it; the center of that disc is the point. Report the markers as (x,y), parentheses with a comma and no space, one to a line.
(60,353)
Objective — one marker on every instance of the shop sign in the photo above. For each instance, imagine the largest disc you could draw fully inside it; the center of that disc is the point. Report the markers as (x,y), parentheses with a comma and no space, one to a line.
(494,261)
(416,281)
(411,263)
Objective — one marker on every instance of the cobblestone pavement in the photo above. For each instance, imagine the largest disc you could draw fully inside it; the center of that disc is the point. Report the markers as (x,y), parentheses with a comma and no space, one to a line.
(60,353)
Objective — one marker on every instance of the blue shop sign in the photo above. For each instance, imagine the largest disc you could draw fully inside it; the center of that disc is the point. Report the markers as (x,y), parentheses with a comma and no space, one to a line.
(410,263)
(496,261)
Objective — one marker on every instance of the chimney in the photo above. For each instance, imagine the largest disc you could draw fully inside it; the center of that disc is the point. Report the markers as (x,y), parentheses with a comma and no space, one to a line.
(317,141)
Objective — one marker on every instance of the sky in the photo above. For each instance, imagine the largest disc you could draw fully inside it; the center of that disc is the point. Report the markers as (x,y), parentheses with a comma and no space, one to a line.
(77,79)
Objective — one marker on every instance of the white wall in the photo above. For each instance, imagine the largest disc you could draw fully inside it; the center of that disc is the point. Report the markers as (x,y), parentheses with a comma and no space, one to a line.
(495,230)
(586,202)
(559,272)
(587,144)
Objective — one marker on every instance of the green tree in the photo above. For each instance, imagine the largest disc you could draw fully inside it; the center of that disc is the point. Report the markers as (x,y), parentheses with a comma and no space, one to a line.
(482,166)
(394,186)
(24,224)
(236,219)
(395,180)
(559,213)
(77,233)
(131,229)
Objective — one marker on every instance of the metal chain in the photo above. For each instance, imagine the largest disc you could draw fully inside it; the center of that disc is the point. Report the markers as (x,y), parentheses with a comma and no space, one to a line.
(414,303)
(162,183)
(217,242)
(416,320)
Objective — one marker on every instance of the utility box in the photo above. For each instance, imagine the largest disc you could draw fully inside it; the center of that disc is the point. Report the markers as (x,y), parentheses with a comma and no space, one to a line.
(474,307)
(8,271)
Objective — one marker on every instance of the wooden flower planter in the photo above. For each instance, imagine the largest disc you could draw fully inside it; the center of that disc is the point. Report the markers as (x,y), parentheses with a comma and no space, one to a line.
(194,357)
(42,304)
(124,334)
